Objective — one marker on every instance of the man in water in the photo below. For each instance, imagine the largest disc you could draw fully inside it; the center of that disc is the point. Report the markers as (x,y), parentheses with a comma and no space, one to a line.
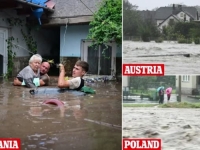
(43,76)
(76,83)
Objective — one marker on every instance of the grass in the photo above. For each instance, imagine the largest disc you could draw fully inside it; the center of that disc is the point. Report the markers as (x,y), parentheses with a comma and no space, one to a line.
(139,105)
(195,96)
(167,105)
(181,105)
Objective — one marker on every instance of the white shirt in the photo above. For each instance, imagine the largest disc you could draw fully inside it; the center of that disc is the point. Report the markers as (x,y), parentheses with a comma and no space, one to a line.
(74,82)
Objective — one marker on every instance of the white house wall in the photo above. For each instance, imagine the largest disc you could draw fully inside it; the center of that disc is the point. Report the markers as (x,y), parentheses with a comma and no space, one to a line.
(70,39)
(125,81)
(166,22)
(15,31)
(187,86)
(182,16)
(159,21)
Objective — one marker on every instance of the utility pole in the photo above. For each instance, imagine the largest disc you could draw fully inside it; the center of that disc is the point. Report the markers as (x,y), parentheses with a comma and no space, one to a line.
(179,88)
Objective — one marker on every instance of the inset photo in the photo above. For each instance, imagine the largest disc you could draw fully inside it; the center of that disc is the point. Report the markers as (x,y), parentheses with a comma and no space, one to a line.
(150,90)
(165,32)
(162,107)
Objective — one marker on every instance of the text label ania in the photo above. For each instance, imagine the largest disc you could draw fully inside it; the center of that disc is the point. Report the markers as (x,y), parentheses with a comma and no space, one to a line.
(8,144)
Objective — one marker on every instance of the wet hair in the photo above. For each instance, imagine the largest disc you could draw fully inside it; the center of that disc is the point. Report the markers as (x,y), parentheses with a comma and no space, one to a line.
(83,64)
(35,57)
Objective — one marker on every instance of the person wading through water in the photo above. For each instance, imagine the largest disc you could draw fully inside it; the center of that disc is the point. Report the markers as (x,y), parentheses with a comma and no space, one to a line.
(76,83)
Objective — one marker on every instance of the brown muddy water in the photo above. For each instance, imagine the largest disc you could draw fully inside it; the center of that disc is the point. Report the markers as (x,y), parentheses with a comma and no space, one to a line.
(90,122)
(179,129)
(137,52)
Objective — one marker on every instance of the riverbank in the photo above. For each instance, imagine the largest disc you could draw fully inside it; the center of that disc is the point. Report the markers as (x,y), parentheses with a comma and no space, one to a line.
(166,105)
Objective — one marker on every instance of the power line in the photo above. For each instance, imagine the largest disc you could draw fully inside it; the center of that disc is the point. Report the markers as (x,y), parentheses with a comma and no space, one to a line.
(86,6)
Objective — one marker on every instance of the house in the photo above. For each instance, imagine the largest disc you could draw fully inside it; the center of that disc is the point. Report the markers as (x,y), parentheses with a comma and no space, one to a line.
(59,29)
(163,16)
(189,84)
(125,83)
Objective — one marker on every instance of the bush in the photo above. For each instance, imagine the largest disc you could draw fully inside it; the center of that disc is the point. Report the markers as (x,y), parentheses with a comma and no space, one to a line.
(197,40)
(183,40)
(180,105)
(145,38)
(189,41)
(159,40)
(136,39)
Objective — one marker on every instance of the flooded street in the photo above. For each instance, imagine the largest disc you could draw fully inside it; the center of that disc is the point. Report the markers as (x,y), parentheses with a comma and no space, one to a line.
(91,122)
(179,129)
(137,52)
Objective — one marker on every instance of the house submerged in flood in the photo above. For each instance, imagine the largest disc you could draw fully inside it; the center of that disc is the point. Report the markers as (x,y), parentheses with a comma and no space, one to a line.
(59,31)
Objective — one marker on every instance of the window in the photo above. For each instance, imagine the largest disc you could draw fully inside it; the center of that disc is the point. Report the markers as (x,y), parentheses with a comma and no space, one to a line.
(181,14)
(185,78)
(101,62)
(3,50)
(171,22)
(125,88)
(184,17)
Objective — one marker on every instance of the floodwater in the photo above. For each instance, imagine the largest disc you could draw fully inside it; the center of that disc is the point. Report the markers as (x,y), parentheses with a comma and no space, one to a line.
(178,128)
(137,52)
(91,122)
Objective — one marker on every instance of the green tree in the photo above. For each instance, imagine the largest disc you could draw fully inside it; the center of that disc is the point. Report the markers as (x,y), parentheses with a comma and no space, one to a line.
(148,29)
(169,33)
(167,80)
(183,28)
(195,32)
(136,24)
(141,82)
(107,23)
(131,19)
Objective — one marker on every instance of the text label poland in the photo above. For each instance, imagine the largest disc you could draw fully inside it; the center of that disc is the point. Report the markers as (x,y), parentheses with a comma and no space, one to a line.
(141,144)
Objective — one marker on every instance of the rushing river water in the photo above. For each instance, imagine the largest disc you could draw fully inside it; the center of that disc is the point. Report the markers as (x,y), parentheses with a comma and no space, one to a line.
(137,52)
(90,122)
(178,128)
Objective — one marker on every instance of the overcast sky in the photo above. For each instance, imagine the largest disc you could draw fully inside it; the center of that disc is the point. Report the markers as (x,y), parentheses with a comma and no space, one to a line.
(151,4)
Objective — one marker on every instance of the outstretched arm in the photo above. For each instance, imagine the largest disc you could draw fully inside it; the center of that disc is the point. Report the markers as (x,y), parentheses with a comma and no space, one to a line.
(62,83)
(17,82)
(44,80)
(28,82)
